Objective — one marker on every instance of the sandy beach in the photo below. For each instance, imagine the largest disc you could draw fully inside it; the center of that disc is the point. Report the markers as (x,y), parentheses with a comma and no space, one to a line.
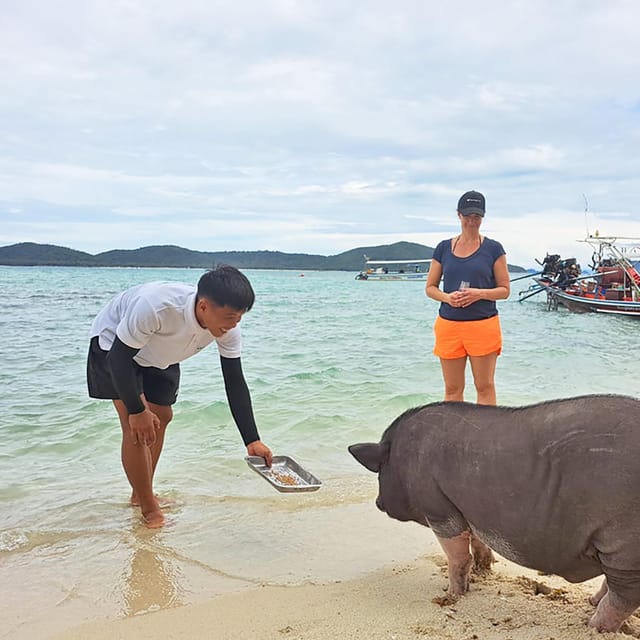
(394,603)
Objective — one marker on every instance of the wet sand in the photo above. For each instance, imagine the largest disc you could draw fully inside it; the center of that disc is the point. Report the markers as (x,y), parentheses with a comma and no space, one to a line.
(394,603)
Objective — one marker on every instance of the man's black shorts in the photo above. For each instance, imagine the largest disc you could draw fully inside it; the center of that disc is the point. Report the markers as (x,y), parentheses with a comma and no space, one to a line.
(160,386)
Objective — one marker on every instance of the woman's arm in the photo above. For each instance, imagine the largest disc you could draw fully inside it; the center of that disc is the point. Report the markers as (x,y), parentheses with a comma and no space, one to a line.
(503,285)
(432,288)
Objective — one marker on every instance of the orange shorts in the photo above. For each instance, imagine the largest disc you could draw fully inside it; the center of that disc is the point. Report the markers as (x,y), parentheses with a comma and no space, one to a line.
(471,338)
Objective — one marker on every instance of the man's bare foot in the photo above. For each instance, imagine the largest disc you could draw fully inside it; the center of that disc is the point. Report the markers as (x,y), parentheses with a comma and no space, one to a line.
(153,519)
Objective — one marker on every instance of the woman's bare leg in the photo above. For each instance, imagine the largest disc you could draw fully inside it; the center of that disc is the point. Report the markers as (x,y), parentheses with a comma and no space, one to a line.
(484,370)
(454,378)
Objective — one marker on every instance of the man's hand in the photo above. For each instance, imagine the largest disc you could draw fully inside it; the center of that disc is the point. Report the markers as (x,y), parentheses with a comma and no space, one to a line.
(143,427)
(258,448)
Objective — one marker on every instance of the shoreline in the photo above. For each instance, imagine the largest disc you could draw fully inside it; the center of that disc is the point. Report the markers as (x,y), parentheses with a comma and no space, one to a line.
(393,603)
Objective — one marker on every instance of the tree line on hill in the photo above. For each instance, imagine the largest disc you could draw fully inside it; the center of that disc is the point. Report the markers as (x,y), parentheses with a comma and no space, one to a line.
(33,254)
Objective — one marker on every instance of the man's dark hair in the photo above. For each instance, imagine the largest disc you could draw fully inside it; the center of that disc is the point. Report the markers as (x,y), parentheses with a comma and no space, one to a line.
(226,286)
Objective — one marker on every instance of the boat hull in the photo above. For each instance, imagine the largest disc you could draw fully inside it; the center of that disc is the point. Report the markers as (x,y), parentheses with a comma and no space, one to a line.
(395,270)
(384,277)
(578,303)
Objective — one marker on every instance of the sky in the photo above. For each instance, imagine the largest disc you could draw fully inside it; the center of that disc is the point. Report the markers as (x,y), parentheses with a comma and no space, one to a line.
(318,126)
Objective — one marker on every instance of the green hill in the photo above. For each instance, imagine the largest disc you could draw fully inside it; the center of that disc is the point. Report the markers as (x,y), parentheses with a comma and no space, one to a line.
(32,254)
(172,256)
(29,254)
(355,258)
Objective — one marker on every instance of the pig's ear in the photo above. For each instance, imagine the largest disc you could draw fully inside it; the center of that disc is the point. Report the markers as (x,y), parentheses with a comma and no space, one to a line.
(370,454)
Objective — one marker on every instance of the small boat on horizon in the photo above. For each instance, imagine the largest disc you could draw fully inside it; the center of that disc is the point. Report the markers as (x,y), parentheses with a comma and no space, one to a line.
(383,270)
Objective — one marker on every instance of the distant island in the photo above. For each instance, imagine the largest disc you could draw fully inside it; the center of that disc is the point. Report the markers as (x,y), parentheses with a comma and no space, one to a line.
(30,254)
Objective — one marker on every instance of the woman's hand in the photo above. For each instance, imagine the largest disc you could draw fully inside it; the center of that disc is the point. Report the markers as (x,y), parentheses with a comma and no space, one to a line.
(465,297)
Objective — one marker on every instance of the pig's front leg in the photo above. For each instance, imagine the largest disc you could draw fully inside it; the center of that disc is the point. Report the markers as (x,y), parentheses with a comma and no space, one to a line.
(459,560)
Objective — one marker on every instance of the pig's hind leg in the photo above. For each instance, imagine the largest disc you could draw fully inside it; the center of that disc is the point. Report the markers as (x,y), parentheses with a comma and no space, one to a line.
(459,560)
(482,556)
(601,593)
(619,598)
(612,611)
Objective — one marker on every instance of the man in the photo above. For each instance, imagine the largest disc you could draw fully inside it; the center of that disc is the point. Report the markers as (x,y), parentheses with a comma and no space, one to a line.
(137,343)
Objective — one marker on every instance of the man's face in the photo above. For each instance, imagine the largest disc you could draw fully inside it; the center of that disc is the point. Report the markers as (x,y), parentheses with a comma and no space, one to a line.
(218,320)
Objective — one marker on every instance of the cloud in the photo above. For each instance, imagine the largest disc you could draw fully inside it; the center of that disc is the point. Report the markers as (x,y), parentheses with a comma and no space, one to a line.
(316,126)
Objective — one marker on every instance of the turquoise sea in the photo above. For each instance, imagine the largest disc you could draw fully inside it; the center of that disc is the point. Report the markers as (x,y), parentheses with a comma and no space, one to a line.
(330,361)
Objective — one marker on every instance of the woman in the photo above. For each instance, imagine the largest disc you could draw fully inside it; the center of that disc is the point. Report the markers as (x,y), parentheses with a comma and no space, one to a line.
(475,276)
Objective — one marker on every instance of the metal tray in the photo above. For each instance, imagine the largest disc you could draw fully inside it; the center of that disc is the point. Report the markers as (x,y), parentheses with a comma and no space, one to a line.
(285,474)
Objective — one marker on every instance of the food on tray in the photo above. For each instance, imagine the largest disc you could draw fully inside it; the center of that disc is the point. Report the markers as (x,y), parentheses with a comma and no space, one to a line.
(285,474)
(285,478)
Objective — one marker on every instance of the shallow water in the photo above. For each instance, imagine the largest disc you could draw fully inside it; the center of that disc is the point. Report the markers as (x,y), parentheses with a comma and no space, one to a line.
(330,361)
